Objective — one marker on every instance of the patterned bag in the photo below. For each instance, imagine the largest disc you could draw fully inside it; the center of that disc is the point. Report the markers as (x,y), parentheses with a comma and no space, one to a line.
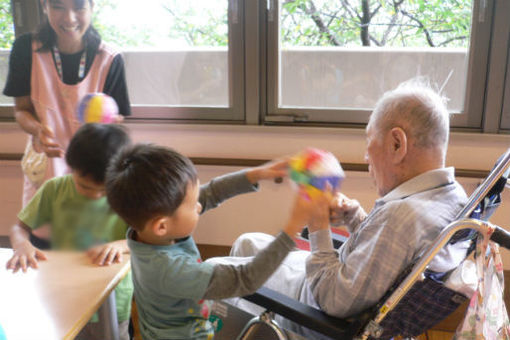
(486,316)
(34,164)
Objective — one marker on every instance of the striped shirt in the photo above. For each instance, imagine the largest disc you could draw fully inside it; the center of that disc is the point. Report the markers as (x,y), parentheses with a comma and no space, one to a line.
(407,219)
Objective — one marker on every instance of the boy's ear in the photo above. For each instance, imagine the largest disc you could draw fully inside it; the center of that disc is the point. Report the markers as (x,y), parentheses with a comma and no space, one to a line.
(160,225)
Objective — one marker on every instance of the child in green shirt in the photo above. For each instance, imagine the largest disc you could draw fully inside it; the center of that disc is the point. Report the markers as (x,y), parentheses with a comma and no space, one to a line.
(79,215)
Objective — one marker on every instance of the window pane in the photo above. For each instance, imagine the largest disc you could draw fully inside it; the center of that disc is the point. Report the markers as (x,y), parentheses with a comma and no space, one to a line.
(345,54)
(6,40)
(505,116)
(176,52)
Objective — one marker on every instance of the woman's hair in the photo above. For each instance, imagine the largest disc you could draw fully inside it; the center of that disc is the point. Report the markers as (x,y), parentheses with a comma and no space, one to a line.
(146,181)
(48,38)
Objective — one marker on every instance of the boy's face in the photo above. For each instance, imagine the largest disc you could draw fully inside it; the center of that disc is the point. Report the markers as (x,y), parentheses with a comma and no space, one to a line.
(185,218)
(87,187)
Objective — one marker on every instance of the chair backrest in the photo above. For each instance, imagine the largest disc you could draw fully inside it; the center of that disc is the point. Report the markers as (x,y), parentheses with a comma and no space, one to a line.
(488,192)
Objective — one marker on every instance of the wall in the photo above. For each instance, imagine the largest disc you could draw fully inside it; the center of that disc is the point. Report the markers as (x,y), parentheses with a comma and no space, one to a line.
(265,211)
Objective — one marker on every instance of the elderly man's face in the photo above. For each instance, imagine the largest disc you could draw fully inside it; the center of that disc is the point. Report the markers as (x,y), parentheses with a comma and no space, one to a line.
(378,161)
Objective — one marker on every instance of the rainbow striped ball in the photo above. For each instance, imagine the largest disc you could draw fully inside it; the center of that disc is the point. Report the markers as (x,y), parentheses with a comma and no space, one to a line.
(97,108)
(314,169)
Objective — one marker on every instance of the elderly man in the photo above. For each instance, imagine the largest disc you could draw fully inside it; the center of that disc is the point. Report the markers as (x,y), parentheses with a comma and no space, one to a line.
(407,138)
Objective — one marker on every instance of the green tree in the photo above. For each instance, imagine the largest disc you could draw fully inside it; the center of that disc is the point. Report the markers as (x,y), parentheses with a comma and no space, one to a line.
(395,23)
(211,30)
(134,37)
(6,25)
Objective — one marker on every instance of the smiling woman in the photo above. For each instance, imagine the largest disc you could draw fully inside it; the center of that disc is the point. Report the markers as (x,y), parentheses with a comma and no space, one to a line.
(51,70)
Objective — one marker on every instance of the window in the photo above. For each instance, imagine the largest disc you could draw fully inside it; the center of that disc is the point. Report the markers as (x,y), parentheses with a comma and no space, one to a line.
(300,61)
(183,59)
(331,60)
(6,40)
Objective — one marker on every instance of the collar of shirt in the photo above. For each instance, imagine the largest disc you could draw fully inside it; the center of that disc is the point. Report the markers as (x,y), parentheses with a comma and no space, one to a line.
(426,181)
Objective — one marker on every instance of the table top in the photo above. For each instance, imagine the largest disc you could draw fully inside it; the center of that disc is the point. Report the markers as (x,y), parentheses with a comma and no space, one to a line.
(56,300)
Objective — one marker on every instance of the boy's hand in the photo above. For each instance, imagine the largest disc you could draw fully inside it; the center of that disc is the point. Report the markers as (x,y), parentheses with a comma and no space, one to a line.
(25,256)
(344,210)
(274,169)
(313,213)
(106,254)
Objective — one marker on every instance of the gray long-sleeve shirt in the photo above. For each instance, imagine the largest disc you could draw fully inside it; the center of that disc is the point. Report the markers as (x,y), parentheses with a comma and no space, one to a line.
(238,280)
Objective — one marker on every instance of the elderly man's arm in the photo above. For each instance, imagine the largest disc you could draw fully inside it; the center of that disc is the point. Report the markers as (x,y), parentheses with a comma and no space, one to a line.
(354,278)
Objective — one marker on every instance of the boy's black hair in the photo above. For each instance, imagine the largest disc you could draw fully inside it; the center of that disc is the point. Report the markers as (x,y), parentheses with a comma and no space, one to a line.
(48,38)
(146,181)
(93,146)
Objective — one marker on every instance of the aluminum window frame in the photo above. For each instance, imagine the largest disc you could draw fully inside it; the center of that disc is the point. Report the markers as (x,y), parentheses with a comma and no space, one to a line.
(471,118)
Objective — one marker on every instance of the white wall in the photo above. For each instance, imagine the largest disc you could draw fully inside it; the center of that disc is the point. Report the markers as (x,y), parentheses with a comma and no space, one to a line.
(267,210)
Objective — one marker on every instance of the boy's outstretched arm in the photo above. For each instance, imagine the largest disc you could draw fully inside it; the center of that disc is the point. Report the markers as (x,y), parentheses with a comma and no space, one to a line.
(106,254)
(232,184)
(25,254)
(239,280)
(271,170)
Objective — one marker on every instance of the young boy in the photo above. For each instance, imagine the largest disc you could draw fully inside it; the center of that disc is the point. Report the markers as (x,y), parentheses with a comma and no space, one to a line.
(79,215)
(157,192)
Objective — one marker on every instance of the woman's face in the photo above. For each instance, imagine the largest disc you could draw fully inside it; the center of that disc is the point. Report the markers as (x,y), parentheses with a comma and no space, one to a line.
(70,19)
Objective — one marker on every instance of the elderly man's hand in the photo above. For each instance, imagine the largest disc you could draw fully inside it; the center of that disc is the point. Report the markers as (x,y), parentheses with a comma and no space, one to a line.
(346,212)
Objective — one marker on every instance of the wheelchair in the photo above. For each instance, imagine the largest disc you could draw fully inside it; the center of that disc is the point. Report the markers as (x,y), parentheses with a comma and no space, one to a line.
(416,302)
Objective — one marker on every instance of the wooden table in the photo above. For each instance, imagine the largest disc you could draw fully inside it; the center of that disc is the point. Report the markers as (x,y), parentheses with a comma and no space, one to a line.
(58,299)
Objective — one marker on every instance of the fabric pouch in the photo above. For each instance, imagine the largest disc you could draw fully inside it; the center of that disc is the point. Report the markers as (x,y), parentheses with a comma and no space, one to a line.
(34,164)
(486,316)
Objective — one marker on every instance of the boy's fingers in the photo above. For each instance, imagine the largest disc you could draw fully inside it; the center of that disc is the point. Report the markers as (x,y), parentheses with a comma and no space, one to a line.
(23,263)
(32,262)
(111,257)
(11,264)
(39,255)
(104,256)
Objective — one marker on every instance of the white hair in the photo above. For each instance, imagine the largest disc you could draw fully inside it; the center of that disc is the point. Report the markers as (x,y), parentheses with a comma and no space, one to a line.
(418,109)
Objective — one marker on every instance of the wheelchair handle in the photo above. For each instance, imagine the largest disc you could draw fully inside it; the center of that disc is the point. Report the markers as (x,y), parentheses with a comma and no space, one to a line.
(501,237)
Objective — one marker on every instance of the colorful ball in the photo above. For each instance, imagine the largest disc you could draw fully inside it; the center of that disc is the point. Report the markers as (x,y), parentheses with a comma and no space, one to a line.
(313,169)
(97,108)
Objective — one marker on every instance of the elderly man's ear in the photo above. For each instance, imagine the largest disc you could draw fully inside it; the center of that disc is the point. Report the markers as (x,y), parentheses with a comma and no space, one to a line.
(398,144)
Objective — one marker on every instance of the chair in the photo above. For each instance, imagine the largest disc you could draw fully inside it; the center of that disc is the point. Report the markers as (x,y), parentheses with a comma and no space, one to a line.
(391,316)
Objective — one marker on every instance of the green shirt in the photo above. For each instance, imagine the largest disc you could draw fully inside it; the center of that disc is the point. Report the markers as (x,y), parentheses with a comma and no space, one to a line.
(78,223)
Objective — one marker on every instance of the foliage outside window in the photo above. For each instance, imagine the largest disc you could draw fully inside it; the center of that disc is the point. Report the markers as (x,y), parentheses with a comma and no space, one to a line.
(411,23)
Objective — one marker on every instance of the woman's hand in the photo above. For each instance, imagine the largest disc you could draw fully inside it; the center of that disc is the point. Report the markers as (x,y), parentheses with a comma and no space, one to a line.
(44,141)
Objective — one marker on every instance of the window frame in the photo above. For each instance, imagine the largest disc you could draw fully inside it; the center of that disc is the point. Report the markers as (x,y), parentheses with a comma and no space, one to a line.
(235,112)
(470,119)
(251,64)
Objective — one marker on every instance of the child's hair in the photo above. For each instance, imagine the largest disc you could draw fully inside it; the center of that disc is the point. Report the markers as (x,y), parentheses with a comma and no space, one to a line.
(146,181)
(48,38)
(93,146)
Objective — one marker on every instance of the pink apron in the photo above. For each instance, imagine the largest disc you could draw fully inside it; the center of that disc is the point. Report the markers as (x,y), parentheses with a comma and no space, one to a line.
(55,103)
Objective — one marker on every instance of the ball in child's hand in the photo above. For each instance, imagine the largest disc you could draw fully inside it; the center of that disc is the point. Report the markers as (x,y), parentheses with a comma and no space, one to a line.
(97,108)
(315,170)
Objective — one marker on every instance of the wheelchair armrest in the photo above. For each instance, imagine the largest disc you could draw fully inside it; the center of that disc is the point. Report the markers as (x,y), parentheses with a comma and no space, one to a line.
(305,315)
